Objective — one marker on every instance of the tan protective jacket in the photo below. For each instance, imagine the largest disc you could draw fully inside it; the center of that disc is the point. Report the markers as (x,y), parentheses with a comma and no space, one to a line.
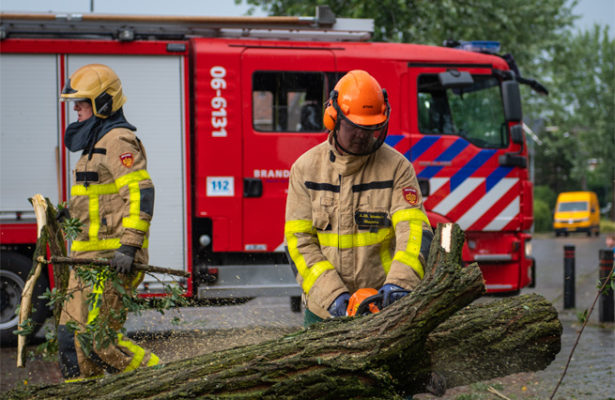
(113,197)
(354,222)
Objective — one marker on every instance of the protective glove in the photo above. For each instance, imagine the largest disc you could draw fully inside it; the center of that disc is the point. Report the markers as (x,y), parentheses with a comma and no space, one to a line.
(123,258)
(339,305)
(391,293)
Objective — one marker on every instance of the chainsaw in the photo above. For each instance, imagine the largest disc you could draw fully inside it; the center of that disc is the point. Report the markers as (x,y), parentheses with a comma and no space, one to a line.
(367,301)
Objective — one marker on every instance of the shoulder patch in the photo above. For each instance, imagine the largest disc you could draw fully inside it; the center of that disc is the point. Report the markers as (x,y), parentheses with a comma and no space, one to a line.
(127,159)
(411,195)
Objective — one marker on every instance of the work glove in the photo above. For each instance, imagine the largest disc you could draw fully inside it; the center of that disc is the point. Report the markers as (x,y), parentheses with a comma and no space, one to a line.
(339,305)
(391,293)
(123,258)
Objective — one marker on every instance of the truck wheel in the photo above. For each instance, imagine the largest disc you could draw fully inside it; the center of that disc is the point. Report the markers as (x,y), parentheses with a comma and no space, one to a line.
(295,303)
(14,270)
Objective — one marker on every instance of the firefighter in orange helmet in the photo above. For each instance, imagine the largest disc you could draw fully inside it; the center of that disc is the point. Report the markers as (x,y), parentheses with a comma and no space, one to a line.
(354,212)
(112,195)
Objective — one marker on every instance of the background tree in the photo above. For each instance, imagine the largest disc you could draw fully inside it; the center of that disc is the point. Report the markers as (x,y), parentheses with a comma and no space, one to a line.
(579,138)
(525,28)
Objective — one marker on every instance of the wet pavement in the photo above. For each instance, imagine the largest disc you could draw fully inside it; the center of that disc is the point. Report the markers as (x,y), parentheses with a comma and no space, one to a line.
(590,375)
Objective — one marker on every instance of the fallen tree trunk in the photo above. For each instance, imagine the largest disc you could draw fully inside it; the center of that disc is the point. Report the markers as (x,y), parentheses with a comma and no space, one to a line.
(385,355)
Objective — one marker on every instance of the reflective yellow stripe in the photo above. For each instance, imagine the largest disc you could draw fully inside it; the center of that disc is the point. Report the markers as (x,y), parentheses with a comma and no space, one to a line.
(153,360)
(415,238)
(137,351)
(136,223)
(297,226)
(354,240)
(290,228)
(411,261)
(105,244)
(134,220)
(94,209)
(313,273)
(93,189)
(410,255)
(93,245)
(98,290)
(133,177)
(409,214)
(385,255)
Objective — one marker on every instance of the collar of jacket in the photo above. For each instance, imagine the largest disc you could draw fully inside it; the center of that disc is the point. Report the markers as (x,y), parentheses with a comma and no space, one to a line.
(345,164)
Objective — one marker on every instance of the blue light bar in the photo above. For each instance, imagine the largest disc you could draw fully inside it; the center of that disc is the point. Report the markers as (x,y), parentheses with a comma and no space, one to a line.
(488,46)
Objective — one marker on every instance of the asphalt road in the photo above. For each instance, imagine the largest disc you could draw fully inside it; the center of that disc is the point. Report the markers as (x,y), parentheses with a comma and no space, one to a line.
(591,373)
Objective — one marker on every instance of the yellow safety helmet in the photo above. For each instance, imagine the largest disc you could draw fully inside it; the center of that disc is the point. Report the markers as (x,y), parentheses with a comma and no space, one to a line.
(97,83)
(359,99)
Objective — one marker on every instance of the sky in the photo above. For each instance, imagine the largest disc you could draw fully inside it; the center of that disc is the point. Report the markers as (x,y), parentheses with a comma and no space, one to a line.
(591,11)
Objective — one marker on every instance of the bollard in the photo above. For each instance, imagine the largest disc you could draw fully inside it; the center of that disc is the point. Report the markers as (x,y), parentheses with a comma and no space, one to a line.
(569,276)
(606,306)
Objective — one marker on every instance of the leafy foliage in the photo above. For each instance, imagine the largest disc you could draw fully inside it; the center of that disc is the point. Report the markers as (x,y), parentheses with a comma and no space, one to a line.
(524,27)
(543,222)
(579,139)
(102,330)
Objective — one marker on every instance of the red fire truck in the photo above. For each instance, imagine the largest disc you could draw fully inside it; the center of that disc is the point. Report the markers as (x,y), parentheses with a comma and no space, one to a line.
(224,106)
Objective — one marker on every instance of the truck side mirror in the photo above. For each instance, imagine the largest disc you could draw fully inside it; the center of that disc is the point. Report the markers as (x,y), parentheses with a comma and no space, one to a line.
(516,134)
(454,79)
(511,97)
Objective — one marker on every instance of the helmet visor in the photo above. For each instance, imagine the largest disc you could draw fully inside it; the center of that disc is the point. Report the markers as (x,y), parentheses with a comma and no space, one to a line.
(74,99)
(359,140)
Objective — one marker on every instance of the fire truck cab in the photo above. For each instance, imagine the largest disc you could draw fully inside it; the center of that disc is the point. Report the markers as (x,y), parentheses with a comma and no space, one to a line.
(225,106)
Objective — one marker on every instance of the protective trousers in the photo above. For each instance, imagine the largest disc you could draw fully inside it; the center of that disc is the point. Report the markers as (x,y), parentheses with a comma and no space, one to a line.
(122,356)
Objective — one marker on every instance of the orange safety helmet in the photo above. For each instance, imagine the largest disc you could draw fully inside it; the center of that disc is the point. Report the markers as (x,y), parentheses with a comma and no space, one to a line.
(100,85)
(359,297)
(359,99)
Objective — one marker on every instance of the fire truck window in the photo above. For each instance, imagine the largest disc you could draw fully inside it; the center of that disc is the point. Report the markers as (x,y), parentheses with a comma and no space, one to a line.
(474,113)
(289,101)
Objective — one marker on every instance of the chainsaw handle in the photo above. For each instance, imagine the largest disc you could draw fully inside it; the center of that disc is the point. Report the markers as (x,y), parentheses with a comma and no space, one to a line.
(363,308)
(388,295)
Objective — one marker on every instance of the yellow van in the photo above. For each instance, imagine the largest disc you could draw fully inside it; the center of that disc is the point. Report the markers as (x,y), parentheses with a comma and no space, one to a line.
(577,212)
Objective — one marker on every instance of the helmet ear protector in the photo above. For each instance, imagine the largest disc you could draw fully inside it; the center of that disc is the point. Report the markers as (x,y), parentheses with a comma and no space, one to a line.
(332,122)
(104,104)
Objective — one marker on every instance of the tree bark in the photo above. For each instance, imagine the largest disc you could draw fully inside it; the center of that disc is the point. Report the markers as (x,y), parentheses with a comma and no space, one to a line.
(387,355)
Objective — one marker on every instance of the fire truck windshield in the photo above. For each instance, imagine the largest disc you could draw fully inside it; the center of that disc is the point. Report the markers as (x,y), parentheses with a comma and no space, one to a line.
(474,112)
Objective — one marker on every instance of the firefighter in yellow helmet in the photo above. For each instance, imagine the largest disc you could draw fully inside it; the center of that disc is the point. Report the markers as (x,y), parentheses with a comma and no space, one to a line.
(112,195)
(354,212)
